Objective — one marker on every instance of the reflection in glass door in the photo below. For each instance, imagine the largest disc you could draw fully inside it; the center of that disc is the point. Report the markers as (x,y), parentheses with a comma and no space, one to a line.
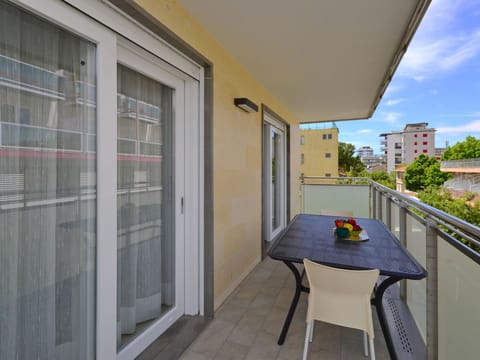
(48,237)
(146,276)
(274,187)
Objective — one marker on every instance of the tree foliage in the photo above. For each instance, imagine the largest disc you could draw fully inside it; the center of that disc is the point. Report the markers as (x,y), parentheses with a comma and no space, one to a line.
(348,163)
(467,149)
(384,178)
(460,207)
(424,172)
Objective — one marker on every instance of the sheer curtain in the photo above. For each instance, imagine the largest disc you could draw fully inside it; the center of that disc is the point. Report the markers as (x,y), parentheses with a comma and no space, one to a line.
(47,190)
(144,181)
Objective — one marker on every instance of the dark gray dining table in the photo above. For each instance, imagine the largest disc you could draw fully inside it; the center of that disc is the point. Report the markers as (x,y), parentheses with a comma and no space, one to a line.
(312,237)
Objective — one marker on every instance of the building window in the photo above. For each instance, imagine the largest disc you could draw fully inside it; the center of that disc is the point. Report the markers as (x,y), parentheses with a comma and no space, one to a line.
(328,175)
(425,143)
(324,136)
(302,159)
(302,140)
(328,155)
(415,151)
(425,135)
(415,143)
(329,136)
(415,135)
(425,151)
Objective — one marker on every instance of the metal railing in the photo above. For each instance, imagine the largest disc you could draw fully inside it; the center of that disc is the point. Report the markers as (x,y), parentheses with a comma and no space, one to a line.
(444,305)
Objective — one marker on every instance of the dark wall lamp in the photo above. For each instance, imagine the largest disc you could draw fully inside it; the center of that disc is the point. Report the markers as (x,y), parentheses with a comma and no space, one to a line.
(245,104)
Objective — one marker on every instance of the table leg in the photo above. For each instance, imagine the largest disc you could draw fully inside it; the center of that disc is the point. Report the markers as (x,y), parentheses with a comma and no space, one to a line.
(377,301)
(298,289)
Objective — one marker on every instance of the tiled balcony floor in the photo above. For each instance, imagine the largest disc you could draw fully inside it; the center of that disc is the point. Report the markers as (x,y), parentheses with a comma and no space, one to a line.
(248,324)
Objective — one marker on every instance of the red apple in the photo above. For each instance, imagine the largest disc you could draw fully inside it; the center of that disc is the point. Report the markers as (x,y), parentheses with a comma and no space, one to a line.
(357,228)
(339,223)
(352,221)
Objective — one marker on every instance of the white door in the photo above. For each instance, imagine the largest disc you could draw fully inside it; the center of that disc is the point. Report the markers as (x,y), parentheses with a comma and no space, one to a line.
(274,187)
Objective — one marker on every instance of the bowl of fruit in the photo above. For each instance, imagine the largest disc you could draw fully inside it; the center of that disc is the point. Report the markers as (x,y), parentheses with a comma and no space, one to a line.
(348,229)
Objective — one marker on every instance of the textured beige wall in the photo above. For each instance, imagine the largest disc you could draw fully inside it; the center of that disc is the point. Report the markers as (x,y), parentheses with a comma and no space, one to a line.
(237,151)
(314,150)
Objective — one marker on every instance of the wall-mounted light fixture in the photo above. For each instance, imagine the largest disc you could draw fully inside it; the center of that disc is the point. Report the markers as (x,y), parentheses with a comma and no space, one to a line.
(245,104)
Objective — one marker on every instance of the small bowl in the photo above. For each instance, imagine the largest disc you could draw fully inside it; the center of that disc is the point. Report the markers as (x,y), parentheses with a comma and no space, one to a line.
(342,232)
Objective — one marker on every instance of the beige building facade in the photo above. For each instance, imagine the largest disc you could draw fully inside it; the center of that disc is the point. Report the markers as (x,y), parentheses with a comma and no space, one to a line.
(319,152)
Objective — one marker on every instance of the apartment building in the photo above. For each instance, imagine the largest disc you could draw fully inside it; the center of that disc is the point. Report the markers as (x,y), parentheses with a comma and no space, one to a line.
(319,152)
(403,147)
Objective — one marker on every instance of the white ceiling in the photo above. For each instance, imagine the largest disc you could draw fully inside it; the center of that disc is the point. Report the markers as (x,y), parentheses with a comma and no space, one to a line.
(324,59)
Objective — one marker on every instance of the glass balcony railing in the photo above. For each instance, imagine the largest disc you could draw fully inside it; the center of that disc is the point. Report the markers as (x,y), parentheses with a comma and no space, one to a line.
(444,305)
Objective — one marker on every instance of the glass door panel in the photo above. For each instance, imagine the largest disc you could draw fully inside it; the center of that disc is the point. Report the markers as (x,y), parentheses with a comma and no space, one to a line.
(47,190)
(274,189)
(145,225)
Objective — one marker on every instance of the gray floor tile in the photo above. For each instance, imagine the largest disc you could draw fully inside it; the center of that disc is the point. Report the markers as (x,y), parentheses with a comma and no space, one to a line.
(247,325)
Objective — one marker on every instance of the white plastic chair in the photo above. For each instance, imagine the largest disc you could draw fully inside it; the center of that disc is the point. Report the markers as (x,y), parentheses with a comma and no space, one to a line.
(346,213)
(340,297)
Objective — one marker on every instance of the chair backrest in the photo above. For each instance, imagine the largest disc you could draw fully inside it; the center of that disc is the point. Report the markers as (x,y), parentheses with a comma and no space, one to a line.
(340,296)
(336,212)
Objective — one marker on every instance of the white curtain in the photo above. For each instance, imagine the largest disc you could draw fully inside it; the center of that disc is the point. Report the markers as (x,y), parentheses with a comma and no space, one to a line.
(145,238)
(47,236)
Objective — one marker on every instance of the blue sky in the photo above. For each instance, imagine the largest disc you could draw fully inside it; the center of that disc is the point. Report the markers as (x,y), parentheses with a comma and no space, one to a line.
(438,80)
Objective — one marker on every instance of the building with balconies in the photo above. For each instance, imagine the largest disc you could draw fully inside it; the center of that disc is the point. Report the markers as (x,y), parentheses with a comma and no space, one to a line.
(403,147)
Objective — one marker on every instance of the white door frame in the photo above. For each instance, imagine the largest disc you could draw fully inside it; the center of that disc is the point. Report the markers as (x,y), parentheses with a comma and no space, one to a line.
(67,17)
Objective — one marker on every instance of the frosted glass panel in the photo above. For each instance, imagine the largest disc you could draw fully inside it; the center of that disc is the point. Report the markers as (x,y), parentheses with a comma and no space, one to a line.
(458,296)
(47,190)
(145,236)
(354,198)
(416,289)
(395,221)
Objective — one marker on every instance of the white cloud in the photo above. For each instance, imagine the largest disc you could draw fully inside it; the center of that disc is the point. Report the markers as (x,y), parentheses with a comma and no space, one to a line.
(440,44)
(393,102)
(467,128)
(365,131)
(389,116)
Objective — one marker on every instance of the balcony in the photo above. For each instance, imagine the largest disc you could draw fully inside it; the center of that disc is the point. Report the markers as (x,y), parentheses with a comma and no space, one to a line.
(442,306)
(435,318)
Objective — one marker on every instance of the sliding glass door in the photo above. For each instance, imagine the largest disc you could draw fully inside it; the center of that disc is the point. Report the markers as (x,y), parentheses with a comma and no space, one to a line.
(149,173)
(94,201)
(48,169)
(274,177)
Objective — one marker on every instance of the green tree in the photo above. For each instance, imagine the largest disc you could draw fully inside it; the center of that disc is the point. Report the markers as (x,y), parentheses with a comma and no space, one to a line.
(348,163)
(424,172)
(467,149)
(384,178)
(460,207)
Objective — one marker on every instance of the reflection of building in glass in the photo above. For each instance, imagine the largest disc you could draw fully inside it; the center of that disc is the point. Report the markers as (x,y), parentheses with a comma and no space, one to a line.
(51,114)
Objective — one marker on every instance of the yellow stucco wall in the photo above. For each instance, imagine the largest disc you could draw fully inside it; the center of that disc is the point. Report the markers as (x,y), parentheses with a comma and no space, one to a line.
(237,151)
(314,148)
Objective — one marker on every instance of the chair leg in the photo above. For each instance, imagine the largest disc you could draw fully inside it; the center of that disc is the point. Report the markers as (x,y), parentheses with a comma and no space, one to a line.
(365,344)
(307,340)
(372,350)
